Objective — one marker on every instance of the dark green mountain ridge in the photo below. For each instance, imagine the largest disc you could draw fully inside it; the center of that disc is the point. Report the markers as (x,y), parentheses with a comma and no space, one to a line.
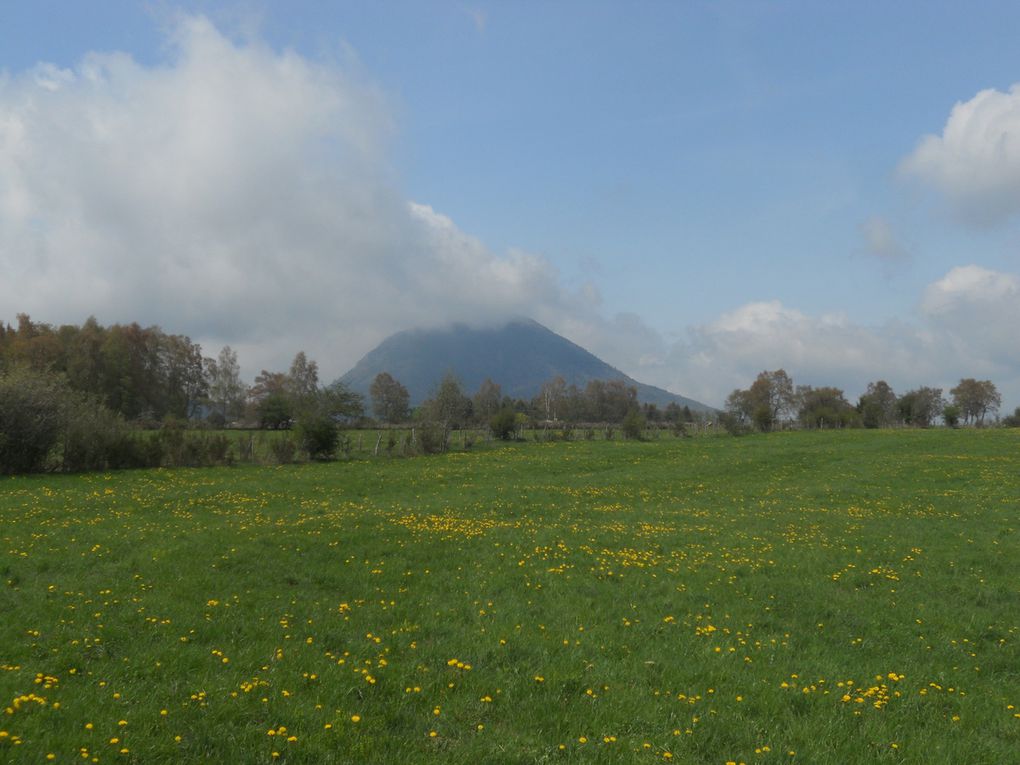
(519,355)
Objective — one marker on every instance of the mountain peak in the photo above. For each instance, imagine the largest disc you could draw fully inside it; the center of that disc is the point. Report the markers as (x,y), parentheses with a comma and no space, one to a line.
(519,354)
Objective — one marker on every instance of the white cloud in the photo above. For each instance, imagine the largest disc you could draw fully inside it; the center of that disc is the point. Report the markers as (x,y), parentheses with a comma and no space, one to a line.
(967,287)
(243,195)
(234,193)
(818,350)
(975,162)
(977,313)
(966,327)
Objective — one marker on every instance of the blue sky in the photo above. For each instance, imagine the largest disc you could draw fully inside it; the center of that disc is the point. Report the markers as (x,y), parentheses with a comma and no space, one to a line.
(694,191)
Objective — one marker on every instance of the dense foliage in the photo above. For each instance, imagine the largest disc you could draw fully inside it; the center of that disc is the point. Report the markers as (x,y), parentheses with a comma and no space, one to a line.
(140,373)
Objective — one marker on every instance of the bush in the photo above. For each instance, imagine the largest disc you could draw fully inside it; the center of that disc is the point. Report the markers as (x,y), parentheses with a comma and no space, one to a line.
(96,438)
(46,425)
(432,437)
(503,424)
(733,425)
(33,414)
(633,425)
(283,450)
(318,436)
(138,450)
(951,415)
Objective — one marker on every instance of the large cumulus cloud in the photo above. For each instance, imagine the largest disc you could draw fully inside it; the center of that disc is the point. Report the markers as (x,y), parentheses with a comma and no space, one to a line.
(237,194)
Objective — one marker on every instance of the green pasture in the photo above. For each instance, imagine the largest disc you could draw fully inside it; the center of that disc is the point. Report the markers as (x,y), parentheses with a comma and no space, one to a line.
(816,597)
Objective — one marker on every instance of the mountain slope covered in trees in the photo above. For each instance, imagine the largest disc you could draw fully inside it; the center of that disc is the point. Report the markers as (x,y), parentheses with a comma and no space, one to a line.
(519,355)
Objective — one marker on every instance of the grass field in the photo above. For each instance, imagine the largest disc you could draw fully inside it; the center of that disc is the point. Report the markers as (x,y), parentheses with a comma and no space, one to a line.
(838,598)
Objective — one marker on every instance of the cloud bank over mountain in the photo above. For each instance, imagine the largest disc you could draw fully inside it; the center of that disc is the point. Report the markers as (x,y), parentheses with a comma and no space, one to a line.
(237,194)
(245,195)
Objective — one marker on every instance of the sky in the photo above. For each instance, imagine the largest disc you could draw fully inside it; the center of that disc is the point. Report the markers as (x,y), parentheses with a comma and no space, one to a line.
(695,192)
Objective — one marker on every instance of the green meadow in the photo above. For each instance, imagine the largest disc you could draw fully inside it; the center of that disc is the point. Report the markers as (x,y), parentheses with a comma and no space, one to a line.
(816,597)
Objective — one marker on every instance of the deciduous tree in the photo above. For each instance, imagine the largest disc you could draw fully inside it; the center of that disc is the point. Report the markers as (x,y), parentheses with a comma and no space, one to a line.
(920,407)
(976,399)
(226,391)
(486,401)
(389,399)
(877,405)
(824,407)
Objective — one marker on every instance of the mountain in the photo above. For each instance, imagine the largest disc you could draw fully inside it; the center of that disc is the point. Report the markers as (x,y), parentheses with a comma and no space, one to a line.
(519,356)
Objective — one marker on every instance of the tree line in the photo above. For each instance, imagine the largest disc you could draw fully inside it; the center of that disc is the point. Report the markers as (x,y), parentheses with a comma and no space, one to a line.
(602,402)
(772,401)
(76,398)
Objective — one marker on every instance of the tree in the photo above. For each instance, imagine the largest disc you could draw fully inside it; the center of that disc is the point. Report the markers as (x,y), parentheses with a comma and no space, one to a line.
(321,412)
(129,381)
(267,384)
(32,417)
(84,360)
(824,408)
(573,405)
(226,391)
(608,401)
(318,435)
(633,424)
(877,406)
(274,411)
(46,424)
(182,381)
(550,397)
(303,378)
(920,407)
(503,424)
(389,399)
(448,408)
(740,406)
(486,401)
(772,397)
(975,399)
(339,402)
(951,415)
(673,413)
(269,401)
(450,404)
